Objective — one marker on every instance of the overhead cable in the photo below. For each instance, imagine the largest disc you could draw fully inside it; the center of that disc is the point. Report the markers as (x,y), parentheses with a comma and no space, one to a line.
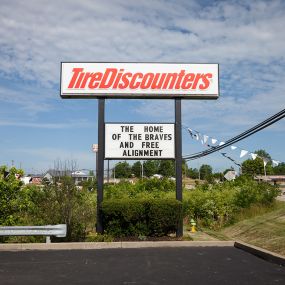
(264,124)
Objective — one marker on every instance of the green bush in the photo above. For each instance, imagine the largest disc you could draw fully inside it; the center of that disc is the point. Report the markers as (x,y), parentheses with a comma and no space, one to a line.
(253,192)
(141,217)
(124,217)
(143,188)
(163,216)
(217,205)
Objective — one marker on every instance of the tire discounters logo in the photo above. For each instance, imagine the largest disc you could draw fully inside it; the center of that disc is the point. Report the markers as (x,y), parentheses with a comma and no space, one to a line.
(143,80)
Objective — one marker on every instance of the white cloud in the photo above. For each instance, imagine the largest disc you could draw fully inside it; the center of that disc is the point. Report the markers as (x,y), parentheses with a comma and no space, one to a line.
(31,100)
(42,33)
(245,37)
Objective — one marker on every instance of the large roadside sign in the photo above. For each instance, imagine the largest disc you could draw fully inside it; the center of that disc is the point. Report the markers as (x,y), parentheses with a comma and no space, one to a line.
(141,80)
(139,141)
(111,80)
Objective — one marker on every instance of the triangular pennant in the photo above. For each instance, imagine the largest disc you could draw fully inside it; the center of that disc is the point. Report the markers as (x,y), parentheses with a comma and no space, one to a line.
(190,132)
(214,141)
(253,156)
(275,162)
(221,143)
(205,138)
(233,147)
(243,153)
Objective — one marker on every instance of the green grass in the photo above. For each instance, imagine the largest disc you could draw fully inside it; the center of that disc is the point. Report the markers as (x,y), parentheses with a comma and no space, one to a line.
(260,226)
(215,234)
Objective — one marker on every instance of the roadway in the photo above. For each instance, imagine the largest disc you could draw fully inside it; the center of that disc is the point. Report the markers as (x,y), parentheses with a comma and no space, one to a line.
(189,265)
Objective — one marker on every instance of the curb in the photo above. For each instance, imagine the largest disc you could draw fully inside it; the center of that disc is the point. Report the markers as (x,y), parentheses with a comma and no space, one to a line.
(261,253)
(112,245)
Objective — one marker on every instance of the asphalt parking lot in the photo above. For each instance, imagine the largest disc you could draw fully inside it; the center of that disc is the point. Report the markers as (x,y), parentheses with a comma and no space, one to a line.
(196,265)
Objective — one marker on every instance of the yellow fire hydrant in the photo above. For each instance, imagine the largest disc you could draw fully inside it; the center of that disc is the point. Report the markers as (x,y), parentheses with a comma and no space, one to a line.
(193,226)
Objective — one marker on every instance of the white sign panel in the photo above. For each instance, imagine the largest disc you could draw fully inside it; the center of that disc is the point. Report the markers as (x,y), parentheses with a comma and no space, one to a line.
(139,141)
(143,80)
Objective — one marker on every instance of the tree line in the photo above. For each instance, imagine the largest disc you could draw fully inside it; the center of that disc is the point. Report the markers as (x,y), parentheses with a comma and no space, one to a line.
(166,168)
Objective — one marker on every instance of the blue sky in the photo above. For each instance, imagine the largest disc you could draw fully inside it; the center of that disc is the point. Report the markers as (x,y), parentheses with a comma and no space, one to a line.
(37,127)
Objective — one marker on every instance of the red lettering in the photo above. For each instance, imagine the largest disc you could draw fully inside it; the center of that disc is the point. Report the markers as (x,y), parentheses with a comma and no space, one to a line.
(187,81)
(158,84)
(107,82)
(118,78)
(125,80)
(93,83)
(80,77)
(180,77)
(170,80)
(206,81)
(147,80)
(85,79)
(133,83)
(76,72)
(197,79)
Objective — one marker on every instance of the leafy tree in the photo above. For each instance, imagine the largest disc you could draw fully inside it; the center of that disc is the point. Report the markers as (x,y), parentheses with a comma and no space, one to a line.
(219,176)
(263,153)
(193,173)
(256,167)
(206,172)
(64,203)
(137,169)
(150,167)
(280,169)
(12,199)
(167,168)
(123,170)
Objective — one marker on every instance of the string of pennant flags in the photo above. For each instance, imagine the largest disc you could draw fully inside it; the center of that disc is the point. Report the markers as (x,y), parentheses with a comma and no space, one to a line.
(213,142)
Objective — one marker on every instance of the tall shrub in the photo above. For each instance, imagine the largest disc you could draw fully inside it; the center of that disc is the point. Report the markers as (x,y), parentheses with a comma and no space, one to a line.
(147,216)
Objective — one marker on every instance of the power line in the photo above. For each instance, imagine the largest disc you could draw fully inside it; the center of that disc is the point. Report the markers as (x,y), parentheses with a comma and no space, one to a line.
(264,124)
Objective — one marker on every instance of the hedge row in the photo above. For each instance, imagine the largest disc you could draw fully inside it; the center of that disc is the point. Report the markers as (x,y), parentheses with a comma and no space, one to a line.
(141,217)
(217,205)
